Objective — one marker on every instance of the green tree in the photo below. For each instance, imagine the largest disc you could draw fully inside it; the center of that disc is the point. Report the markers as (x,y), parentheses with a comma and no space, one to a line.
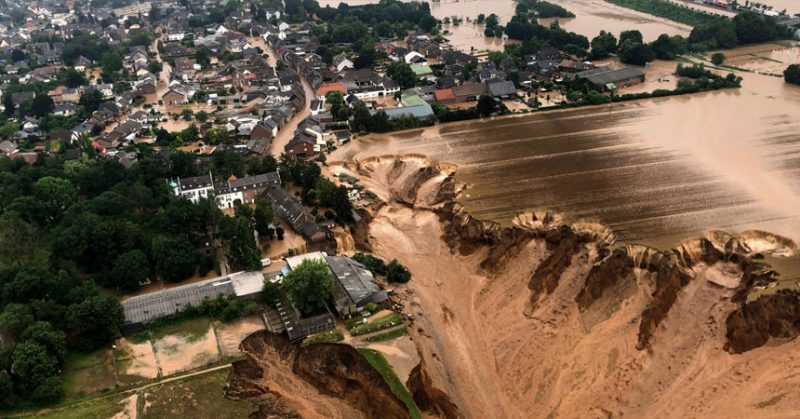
(96,321)
(401,73)
(130,270)
(42,105)
(486,105)
(111,61)
(91,100)
(395,272)
(717,58)
(668,47)
(792,74)
(32,365)
(270,294)
(8,104)
(174,258)
(263,215)
(635,53)
(15,318)
(242,249)
(7,396)
(309,285)
(54,340)
(631,35)
(603,45)
(55,195)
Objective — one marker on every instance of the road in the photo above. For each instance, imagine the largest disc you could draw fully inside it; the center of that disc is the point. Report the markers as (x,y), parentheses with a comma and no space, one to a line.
(287,132)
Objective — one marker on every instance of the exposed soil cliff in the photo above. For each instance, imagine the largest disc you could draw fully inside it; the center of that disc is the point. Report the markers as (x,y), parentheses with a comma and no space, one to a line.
(753,324)
(430,399)
(324,380)
(572,345)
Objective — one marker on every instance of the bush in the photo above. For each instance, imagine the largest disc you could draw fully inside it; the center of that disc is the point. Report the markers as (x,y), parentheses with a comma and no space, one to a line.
(395,272)
(792,74)
(375,265)
(718,58)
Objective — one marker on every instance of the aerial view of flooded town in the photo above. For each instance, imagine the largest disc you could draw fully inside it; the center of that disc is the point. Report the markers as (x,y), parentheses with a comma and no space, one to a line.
(399,209)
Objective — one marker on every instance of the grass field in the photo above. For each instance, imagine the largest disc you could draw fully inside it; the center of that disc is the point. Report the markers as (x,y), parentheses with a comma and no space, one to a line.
(96,409)
(88,372)
(330,336)
(382,366)
(392,334)
(376,325)
(200,396)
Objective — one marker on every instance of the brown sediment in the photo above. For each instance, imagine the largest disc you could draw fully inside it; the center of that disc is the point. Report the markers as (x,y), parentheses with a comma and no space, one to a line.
(494,354)
(753,324)
(324,380)
(573,345)
(428,398)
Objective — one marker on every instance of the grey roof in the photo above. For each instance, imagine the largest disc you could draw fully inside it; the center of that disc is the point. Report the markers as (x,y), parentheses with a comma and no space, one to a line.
(288,209)
(196,182)
(602,76)
(296,326)
(417,111)
(502,88)
(355,285)
(159,304)
(149,307)
(272,178)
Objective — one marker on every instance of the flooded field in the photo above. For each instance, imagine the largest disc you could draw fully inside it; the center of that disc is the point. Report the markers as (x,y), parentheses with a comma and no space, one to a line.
(592,16)
(656,171)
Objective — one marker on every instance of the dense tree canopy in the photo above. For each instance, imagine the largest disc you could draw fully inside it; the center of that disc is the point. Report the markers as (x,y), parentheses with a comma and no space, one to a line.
(603,45)
(309,285)
(792,74)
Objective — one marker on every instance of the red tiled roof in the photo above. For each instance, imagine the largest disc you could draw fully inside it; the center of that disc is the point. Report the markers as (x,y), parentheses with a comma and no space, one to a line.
(331,87)
(445,94)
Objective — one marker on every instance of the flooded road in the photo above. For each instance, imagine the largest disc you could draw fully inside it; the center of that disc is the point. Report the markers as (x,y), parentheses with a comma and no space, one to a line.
(656,171)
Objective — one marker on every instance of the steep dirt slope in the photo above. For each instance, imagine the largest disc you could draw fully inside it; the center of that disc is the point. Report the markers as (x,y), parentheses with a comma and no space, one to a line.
(319,381)
(541,321)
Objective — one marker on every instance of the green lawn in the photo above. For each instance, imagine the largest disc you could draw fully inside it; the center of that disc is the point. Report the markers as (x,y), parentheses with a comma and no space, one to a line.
(86,373)
(385,322)
(382,366)
(201,396)
(392,334)
(331,336)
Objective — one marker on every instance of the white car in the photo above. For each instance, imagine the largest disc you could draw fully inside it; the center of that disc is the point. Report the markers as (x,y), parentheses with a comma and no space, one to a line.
(265,262)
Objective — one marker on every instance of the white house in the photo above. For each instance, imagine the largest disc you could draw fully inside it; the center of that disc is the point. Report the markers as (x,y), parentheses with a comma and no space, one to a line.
(342,63)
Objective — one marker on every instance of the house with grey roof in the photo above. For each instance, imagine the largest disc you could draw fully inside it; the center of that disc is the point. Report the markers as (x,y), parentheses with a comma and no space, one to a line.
(354,286)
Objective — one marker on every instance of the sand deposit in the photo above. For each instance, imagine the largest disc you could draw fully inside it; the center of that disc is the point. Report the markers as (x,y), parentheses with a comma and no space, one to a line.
(179,353)
(232,334)
(135,360)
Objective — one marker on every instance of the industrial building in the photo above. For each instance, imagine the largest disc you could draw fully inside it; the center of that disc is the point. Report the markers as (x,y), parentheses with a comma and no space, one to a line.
(607,79)
(147,308)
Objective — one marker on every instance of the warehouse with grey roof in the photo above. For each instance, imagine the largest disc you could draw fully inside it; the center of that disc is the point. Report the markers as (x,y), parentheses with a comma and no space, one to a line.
(147,308)
(605,78)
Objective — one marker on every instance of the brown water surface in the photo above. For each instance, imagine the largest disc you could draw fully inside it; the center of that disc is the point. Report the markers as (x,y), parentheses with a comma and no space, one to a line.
(656,171)
(591,17)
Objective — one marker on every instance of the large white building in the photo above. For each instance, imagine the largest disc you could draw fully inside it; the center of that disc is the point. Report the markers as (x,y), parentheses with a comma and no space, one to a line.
(229,193)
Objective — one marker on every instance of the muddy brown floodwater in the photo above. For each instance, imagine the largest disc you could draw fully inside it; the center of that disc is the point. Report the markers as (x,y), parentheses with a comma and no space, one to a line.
(591,17)
(655,171)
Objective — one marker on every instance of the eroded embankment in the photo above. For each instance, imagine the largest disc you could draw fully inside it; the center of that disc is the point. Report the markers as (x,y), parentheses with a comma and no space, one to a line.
(324,380)
(573,344)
